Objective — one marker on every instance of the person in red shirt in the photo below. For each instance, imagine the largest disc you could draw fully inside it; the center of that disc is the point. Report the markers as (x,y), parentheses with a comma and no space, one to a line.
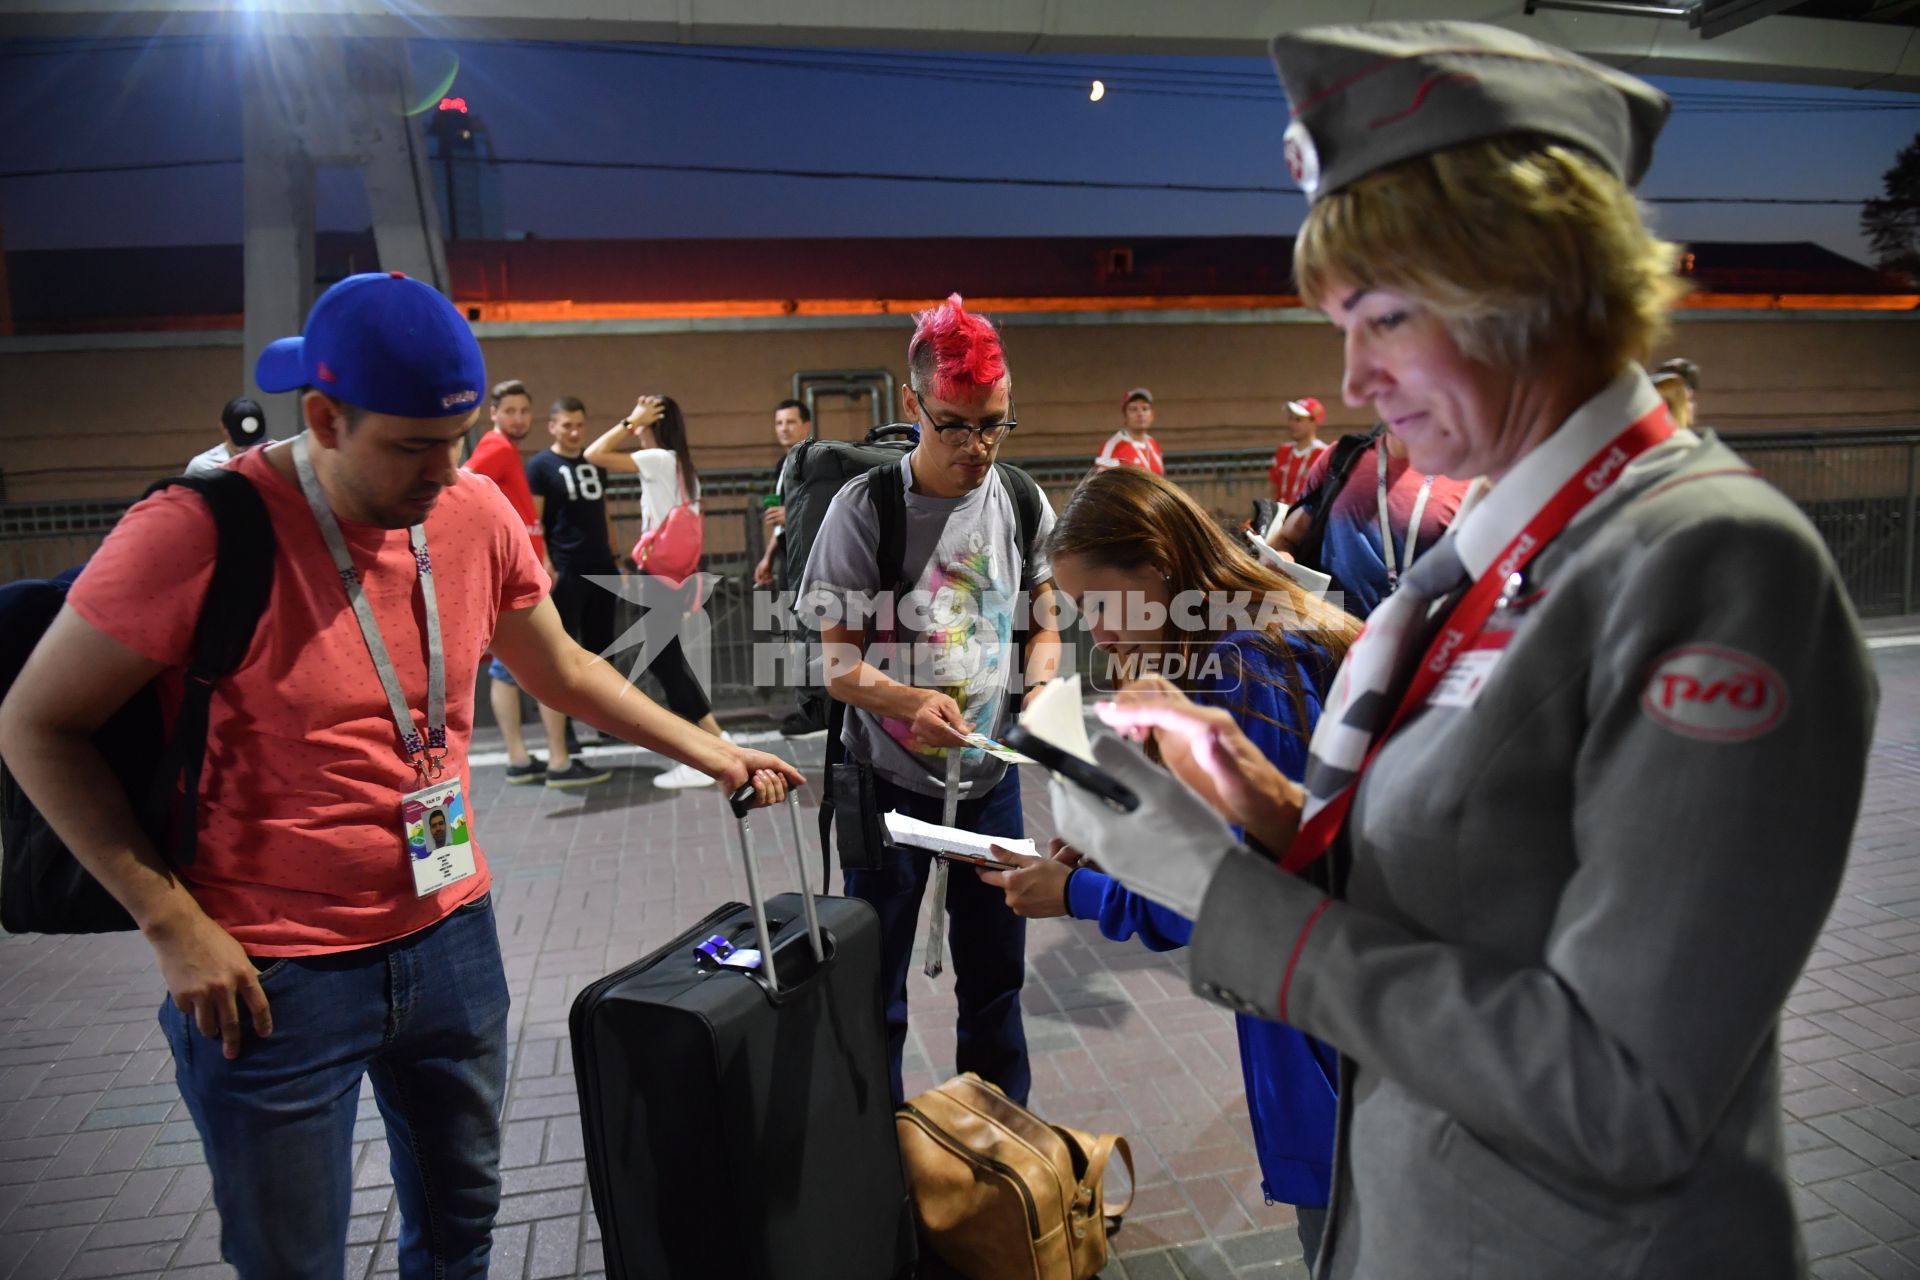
(497,457)
(1287,479)
(1131,446)
(1382,516)
(317,938)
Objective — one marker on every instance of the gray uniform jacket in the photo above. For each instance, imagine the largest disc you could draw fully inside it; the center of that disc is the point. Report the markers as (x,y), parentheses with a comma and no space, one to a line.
(1569,912)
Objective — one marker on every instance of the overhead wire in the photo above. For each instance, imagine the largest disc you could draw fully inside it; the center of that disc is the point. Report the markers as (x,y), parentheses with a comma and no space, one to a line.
(863,175)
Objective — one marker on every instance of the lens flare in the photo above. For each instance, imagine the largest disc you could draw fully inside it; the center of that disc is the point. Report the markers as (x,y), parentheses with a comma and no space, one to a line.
(1099,91)
(431,99)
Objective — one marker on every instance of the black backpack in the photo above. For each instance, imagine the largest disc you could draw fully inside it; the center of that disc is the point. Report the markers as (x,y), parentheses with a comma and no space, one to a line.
(818,469)
(1346,451)
(43,889)
(888,493)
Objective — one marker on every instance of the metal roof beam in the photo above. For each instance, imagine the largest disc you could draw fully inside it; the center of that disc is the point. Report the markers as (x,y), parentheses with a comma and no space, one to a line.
(1783,48)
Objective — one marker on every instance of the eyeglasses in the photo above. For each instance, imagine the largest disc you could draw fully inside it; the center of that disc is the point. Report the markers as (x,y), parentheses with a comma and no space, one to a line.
(956,435)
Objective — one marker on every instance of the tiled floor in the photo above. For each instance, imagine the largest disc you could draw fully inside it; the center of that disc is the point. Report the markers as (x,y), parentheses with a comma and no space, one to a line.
(100,1172)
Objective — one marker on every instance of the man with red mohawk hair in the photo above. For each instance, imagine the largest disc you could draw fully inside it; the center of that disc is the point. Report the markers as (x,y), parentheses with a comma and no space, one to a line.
(948,541)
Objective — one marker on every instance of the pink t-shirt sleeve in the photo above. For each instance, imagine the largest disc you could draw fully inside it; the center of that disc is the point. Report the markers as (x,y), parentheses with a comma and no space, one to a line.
(145,584)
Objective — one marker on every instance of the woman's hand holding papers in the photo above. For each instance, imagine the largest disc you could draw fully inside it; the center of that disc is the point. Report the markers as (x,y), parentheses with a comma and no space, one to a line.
(1038,888)
(1205,749)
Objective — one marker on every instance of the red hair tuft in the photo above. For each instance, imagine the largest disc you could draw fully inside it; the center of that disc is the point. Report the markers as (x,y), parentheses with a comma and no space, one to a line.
(955,355)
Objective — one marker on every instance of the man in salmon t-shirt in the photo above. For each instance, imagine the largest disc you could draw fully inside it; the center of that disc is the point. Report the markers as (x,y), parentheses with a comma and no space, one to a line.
(318,936)
(1131,445)
(497,457)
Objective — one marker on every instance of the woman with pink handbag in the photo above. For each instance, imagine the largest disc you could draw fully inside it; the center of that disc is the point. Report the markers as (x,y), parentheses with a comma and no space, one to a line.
(651,442)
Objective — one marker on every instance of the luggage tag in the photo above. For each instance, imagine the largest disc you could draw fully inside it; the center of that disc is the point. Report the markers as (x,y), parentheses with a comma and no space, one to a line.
(728,956)
(439,839)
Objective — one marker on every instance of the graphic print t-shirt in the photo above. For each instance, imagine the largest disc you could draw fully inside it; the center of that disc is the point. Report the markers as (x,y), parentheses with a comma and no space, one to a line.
(954,633)
(575,517)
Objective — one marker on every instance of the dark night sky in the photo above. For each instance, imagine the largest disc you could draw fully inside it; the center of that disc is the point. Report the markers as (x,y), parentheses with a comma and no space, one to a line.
(72,104)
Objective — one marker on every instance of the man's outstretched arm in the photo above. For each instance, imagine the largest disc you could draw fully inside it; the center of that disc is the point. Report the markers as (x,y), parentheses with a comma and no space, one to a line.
(558,673)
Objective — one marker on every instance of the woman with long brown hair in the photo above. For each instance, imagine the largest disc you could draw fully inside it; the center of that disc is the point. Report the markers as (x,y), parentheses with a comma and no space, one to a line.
(1173,601)
(652,443)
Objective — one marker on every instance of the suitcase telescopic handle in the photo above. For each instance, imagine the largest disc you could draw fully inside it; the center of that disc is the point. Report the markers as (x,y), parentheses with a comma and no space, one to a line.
(741,802)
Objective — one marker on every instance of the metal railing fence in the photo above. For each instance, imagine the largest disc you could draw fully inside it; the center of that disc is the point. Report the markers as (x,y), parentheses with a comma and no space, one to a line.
(1860,488)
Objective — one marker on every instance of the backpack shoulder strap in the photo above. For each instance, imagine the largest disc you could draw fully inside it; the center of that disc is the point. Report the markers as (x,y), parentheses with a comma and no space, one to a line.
(242,570)
(236,598)
(1027,501)
(1346,451)
(887,491)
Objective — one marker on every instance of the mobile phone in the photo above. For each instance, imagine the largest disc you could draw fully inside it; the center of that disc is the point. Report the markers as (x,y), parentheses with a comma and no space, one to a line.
(1088,777)
(974,860)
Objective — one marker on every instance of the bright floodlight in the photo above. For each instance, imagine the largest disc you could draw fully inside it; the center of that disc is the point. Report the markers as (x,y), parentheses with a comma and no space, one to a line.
(1099,91)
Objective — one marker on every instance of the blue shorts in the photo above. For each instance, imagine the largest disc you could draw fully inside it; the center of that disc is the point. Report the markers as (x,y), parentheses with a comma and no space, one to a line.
(498,671)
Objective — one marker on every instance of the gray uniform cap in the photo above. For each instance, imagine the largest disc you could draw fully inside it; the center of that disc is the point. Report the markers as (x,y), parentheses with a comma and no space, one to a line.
(1371,95)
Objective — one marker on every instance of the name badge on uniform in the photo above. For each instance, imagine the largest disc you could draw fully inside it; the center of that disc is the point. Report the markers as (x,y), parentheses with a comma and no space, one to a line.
(439,839)
(1470,671)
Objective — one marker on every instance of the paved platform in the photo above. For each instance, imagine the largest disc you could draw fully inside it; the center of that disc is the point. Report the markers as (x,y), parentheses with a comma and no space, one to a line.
(101,1174)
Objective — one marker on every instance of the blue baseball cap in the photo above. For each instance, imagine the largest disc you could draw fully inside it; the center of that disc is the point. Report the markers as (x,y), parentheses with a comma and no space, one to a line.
(386,343)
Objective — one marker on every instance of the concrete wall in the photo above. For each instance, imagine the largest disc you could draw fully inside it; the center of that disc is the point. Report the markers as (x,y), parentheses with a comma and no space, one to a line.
(101,416)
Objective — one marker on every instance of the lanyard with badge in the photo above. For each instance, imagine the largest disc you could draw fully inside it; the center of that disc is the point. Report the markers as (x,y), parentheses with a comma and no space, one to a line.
(1470,614)
(434,828)
(1413,525)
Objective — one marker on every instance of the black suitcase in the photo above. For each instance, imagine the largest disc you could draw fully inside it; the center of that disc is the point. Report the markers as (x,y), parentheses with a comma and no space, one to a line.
(738,1122)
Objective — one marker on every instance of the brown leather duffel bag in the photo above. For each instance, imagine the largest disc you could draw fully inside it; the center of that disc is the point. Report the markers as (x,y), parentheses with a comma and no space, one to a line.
(1000,1193)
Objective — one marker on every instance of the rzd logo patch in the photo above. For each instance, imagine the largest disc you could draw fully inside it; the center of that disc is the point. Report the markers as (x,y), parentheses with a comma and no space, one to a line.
(1720,695)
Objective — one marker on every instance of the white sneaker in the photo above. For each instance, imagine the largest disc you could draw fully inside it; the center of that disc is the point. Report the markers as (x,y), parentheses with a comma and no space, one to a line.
(682,776)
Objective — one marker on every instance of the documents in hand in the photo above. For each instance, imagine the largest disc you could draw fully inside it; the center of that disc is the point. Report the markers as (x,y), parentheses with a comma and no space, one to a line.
(998,750)
(1280,510)
(1054,714)
(1052,731)
(1310,580)
(971,845)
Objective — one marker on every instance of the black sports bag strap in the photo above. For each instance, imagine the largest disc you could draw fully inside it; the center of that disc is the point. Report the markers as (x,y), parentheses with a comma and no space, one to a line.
(836,754)
(236,598)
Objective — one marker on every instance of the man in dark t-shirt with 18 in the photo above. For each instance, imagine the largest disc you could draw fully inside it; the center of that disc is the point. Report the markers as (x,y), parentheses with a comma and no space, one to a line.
(570,497)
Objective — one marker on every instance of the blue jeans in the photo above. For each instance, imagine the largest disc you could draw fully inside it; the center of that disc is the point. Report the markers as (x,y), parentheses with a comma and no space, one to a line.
(987,941)
(426,1018)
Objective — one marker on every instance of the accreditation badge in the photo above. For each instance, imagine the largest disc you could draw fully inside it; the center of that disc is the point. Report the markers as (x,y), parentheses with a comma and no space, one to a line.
(1471,669)
(439,839)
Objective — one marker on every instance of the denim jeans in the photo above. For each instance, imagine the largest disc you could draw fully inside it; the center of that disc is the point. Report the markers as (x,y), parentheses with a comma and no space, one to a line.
(426,1018)
(987,941)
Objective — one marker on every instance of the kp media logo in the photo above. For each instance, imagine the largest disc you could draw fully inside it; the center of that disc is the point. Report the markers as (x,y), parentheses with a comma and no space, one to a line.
(1217,668)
